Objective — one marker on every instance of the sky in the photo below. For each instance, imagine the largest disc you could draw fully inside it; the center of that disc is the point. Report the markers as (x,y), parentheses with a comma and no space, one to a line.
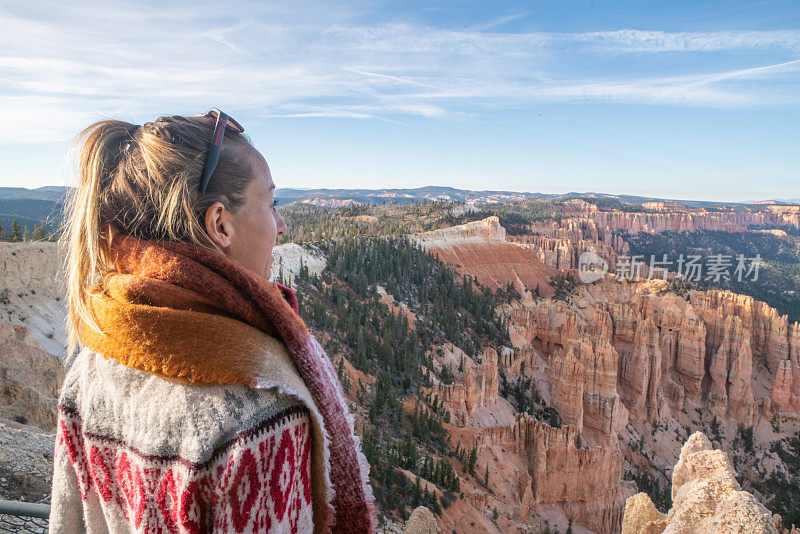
(688,100)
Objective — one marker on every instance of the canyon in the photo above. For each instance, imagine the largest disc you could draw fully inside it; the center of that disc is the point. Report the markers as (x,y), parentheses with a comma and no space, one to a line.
(679,218)
(631,368)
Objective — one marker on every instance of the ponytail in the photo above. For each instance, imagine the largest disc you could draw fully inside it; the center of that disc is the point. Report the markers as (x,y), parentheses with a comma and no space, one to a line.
(103,144)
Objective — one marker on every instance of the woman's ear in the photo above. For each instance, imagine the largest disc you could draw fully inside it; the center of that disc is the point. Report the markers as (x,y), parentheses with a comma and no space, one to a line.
(219,225)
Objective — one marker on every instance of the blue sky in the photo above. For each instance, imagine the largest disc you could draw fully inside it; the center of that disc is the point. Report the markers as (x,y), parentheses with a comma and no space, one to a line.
(672,99)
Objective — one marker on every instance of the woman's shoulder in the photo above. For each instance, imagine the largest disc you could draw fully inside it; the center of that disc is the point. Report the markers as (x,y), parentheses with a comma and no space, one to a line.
(157,416)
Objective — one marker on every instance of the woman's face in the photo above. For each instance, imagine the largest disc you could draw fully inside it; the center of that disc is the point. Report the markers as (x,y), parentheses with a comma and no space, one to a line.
(249,235)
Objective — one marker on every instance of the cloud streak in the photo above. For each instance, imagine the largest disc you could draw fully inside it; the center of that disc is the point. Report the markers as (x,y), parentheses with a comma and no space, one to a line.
(62,65)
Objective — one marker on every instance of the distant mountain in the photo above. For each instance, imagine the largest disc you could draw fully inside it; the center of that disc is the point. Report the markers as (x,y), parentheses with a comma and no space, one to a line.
(54,193)
(30,206)
(784,200)
(340,197)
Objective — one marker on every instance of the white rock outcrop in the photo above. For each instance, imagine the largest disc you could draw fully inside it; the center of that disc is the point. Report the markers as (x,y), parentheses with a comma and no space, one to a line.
(288,259)
(32,292)
(706,498)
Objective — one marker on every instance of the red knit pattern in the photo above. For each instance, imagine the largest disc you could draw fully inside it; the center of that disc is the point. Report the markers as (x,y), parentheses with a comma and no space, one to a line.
(259,482)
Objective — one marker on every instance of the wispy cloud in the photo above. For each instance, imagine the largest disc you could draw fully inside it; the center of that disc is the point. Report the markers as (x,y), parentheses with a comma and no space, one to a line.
(659,41)
(498,22)
(62,65)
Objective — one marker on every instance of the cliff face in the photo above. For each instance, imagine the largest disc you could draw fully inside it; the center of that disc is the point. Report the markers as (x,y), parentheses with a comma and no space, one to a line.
(706,498)
(585,481)
(476,388)
(582,364)
(30,275)
(480,249)
(562,254)
(743,330)
(29,378)
(622,362)
(661,352)
(689,222)
(537,470)
(581,232)
(537,467)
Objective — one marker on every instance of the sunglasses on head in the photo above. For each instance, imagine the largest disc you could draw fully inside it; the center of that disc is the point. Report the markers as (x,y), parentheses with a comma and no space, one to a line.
(223,121)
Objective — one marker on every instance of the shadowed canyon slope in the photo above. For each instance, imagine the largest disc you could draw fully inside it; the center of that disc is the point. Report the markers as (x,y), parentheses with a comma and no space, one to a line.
(480,248)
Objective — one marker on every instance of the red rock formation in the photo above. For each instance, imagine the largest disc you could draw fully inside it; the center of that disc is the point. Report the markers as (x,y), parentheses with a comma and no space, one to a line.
(769,330)
(661,222)
(690,357)
(669,350)
(603,410)
(577,230)
(794,357)
(624,318)
(578,206)
(771,340)
(477,388)
(586,482)
(782,387)
(511,361)
(480,249)
(689,222)
(564,254)
(623,352)
(731,374)
(640,372)
(566,387)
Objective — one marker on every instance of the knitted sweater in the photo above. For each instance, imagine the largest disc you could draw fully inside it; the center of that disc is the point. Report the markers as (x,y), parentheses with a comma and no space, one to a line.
(140,453)
(186,314)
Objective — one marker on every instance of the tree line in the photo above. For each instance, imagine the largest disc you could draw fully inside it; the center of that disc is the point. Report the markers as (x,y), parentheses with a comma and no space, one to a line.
(18,233)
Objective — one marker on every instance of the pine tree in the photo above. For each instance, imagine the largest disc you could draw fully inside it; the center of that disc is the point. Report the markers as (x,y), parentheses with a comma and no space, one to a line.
(340,368)
(16,231)
(472,462)
(303,273)
(40,232)
(417,493)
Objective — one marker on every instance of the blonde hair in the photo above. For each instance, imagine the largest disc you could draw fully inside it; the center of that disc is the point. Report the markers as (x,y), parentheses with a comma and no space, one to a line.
(145,180)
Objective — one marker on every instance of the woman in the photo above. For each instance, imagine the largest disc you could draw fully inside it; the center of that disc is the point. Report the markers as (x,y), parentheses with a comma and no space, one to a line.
(199,401)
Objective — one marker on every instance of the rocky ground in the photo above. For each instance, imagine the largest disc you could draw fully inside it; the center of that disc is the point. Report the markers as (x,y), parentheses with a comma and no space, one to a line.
(26,462)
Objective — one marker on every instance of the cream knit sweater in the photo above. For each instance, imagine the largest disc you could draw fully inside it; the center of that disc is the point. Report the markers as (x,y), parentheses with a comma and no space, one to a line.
(139,453)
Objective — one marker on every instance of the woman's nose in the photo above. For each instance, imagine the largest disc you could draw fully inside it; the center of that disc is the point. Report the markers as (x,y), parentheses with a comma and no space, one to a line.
(281,224)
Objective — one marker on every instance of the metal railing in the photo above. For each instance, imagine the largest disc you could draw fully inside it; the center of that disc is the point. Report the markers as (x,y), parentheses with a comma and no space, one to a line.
(19,517)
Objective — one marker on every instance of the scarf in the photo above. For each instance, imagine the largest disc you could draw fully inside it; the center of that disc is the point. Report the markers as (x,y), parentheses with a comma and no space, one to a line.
(167,306)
